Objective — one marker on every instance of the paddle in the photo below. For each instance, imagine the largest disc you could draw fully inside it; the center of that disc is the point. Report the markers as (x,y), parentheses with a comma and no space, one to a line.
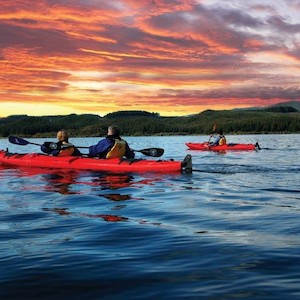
(213,130)
(18,141)
(154,152)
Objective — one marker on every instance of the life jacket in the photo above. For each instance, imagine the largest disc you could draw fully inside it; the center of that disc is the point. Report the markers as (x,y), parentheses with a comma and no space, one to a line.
(56,149)
(68,151)
(118,150)
(222,140)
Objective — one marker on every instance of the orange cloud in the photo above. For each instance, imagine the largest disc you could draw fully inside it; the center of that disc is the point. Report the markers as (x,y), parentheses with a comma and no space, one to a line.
(172,57)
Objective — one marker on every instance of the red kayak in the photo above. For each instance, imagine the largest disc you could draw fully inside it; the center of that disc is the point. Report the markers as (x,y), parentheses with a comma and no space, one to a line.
(36,160)
(237,147)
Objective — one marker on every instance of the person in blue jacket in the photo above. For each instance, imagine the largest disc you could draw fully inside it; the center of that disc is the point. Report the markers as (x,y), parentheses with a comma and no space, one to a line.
(113,146)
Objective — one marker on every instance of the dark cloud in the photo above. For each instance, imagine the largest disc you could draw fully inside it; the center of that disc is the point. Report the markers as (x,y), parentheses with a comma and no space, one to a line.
(44,41)
(280,24)
(236,18)
(260,92)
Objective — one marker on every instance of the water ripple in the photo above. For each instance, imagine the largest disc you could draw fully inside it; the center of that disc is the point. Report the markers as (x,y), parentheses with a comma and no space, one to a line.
(230,230)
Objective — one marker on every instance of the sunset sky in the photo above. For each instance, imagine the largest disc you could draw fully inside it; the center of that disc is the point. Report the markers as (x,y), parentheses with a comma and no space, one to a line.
(173,57)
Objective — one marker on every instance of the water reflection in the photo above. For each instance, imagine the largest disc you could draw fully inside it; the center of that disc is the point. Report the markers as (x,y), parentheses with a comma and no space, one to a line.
(70,182)
(117,197)
(105,217)
(60,182)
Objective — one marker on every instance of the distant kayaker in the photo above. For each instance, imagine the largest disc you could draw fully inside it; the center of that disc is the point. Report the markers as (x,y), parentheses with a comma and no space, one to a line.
(219,139)
(62,147)
(113,146)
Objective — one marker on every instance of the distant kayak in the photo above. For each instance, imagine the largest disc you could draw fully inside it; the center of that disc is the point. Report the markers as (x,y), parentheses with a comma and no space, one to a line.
(237,147)
(37,160)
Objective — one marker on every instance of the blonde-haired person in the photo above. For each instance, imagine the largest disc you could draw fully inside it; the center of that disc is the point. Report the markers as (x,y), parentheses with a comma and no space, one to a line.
(64,148)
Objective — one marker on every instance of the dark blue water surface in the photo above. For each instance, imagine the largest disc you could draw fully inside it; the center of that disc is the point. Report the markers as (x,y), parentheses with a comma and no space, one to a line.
(230,230)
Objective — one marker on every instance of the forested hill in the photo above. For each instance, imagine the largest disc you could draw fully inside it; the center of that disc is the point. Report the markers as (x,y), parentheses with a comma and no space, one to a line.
(277,119)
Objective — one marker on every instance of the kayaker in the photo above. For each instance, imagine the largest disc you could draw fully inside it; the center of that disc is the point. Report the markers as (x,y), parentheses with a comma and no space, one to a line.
(219,139)
(113,146)
(62,147)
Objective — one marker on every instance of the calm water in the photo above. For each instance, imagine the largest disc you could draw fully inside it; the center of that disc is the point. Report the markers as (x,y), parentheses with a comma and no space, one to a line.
(230,230)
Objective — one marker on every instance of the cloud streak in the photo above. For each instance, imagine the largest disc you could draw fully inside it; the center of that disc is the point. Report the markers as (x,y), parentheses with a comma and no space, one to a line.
(172,57)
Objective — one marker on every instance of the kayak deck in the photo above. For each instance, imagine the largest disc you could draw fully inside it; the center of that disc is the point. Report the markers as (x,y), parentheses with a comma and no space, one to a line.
(236,147)
(37,160)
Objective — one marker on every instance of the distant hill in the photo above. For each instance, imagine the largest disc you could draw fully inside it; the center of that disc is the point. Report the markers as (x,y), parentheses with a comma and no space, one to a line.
(274,119)
(293,106)
(131,113)
(281,109)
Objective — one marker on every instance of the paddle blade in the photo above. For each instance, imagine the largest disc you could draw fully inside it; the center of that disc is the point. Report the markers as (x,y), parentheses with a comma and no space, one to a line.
(215,127)
(154,152)
(52,146)
(186,165)
(17,141)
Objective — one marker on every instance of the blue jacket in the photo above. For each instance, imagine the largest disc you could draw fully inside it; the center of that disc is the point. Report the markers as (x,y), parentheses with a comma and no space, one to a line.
(103,147)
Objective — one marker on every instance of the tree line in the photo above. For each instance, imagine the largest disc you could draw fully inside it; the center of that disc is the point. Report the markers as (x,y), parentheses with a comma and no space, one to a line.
(136,123)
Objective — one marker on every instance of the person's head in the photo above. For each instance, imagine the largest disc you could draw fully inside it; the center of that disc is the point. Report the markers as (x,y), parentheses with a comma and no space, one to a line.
(113,131)
(220,132)
(62,136)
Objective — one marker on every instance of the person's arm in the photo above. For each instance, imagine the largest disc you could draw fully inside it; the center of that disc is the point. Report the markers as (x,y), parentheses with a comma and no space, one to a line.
(212,136)
(216,141)
(100,148)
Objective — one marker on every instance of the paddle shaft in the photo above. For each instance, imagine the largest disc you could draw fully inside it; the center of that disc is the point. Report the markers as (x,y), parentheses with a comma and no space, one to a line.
(154,152)
(34,144)
(213,130)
